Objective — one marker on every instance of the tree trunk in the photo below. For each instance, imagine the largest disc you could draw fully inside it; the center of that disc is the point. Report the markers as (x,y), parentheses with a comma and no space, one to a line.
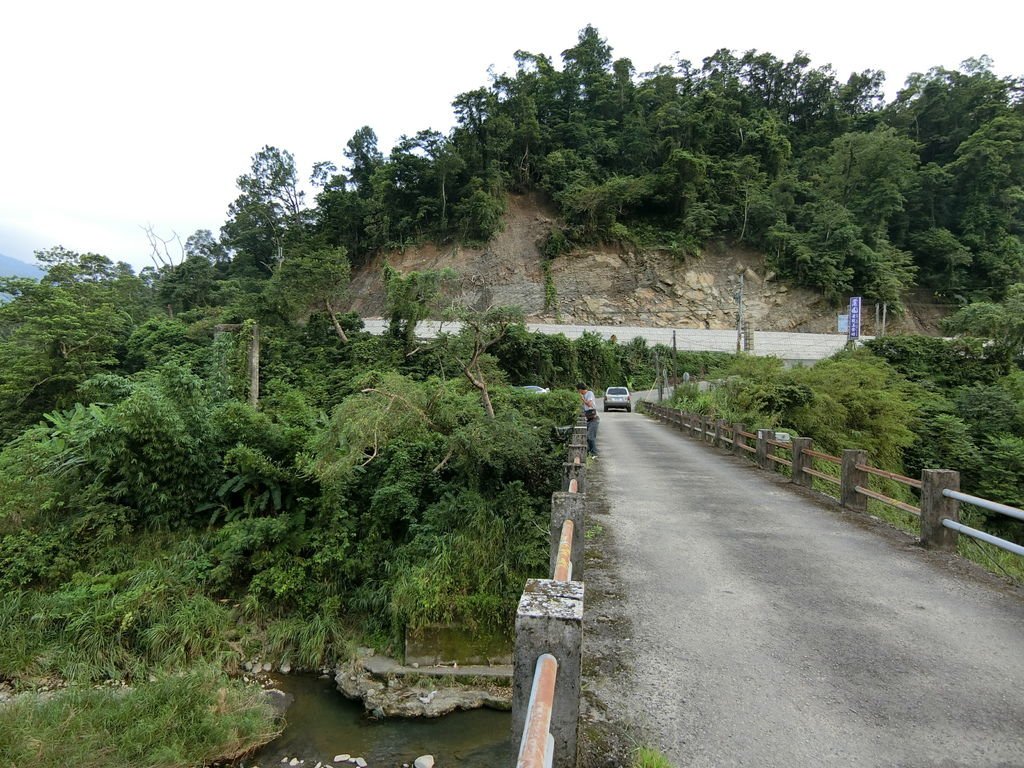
(478,382)
(337,326)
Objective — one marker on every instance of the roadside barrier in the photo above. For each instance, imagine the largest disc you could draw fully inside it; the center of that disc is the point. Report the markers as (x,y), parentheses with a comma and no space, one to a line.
(548,654)
(849,477)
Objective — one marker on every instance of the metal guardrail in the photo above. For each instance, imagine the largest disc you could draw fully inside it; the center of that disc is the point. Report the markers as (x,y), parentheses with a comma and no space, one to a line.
(854,472)
(991,506)
(889,475)
(916,511)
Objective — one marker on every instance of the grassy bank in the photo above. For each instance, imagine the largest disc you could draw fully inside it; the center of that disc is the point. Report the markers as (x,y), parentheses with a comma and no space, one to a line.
(173,721)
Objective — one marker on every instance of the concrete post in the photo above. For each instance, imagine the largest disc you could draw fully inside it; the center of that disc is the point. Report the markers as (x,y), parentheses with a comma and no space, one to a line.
(550,620)
(568,506)
(801,460)
(738,441)
(254,366)
(852,477)
(763,436)
(694,425)
(579,435)
(574,471)
(578,452)
(935,507)
(717,440)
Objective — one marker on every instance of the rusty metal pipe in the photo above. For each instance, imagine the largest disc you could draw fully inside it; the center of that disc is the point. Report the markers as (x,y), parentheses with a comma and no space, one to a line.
(535,749)
(563,565)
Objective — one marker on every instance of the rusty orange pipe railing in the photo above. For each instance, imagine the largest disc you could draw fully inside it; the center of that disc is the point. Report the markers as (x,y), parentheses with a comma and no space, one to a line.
(537,746)
(563,564)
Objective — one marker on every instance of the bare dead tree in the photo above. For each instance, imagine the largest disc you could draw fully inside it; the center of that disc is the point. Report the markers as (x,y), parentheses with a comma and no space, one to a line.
(161,249)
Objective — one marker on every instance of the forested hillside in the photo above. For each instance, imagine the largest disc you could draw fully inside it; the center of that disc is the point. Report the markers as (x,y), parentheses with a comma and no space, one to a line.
(842,191)
(211,461)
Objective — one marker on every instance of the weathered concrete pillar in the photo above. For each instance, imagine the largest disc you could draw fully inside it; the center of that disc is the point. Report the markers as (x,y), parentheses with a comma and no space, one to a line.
(801,460)
(578,452)
(579,435)
(571,471)
(254,366)
(695,420)
(738,441)
(852,477)
(717,440)
(550,620)
(935,507)
(568,506)
(763,436)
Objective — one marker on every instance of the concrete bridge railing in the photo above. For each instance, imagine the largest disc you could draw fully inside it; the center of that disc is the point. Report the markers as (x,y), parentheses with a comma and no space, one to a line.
(548,654)
(848,476)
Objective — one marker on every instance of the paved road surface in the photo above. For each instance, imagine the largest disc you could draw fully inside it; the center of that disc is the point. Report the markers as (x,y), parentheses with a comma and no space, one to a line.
(732,620)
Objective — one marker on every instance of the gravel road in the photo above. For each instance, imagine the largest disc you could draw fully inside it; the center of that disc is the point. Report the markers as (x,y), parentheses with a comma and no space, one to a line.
(733,620)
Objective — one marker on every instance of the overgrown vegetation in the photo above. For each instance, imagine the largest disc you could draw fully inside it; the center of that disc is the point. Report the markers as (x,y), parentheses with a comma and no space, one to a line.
(154,520)
(163,507)
(912,403)
(184,719)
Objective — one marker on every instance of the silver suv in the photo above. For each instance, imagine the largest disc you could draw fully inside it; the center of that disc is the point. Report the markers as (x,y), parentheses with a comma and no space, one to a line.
(617,397)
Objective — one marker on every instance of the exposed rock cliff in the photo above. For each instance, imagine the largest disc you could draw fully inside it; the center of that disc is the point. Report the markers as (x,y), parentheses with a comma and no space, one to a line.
(609,286)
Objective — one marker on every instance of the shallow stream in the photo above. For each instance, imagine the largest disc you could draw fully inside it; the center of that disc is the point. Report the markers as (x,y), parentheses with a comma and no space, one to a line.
(321,723)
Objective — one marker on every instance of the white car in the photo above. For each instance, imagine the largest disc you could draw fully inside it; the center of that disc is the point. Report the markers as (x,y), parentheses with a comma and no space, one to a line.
(617,397)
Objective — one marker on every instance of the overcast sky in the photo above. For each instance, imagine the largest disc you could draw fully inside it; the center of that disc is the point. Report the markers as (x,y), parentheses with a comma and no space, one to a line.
(118,115)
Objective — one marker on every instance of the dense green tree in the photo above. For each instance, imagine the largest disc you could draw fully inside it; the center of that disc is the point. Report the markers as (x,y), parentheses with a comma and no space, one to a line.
(58,332)
(412,297)
(314,281)
(1001,322)
(269,214)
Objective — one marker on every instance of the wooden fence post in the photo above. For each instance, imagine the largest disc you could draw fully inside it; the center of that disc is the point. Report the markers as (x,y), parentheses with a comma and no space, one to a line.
(801,460)
(935,507)
(851,478)
(738,441)
(763,436)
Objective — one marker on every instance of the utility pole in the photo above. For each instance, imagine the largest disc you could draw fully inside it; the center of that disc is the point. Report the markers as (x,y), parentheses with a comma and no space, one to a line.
(657,376)
(675,361)
(739,317)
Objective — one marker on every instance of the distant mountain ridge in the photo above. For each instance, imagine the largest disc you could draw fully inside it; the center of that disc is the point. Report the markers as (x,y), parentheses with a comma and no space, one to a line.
(13,268)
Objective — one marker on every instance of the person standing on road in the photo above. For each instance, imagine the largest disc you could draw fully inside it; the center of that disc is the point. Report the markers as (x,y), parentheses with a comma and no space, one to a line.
(589,404)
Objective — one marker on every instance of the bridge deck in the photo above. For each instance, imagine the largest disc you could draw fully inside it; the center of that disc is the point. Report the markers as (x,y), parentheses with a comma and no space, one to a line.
(732,620)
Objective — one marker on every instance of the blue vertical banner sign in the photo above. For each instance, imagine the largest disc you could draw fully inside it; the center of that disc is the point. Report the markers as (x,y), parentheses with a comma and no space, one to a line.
(854,323)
